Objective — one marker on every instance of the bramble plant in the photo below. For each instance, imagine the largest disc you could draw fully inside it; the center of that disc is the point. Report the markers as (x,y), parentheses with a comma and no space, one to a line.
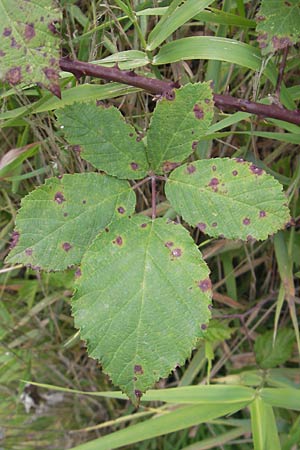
(143,291)
(142,298)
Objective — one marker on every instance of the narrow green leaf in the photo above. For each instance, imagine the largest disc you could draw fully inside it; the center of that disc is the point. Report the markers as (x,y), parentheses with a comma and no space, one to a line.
(269,353)
(178,419)
(229,197)
(29,44)
(167,25)
(142,301)
(129,59)
(282,397)
(60,219)
(106,140)
(176,125)
(274,33)
(264,429)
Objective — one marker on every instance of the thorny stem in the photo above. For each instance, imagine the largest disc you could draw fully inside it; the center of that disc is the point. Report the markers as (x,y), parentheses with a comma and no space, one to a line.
(160,87)
(153,197)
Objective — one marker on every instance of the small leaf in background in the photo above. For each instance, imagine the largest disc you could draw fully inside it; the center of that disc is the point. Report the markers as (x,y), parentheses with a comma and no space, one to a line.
(178,122)
(29,44)
(278,24)
(142,301)
(60,219)
(107,141)
(229,197)
(218,331)
(269,355)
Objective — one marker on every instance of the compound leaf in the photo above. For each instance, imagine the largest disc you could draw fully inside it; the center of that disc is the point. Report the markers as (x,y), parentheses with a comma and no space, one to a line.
(29,44)
(278,24)
(106,140)
(60,219)
(178,121)
(142,301)
(229,197)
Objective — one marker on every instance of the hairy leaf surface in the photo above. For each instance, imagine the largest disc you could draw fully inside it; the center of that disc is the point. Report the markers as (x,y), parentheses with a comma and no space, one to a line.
(278,24)
(142,301)
(229,197)
(106,140)
(60,219)
(178,121)
(29,44)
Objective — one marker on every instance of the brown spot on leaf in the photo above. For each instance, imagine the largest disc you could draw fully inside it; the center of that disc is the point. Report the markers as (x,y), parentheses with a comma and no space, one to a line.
(234,173)
(118,240)
(55,89)
(195,145)
(176,252)
(78,273)
(50,73)
(66,246)
(138,369)
(205,285)
(28,251)
(13,76)
(213,168)
(84,202)
(168,166)
(14,44)
(134,166)
(6,32)
(121,210)
(262,213)
(106,230)
(169,244)
(66,214)
(2,53)
(198,112)
(203,326)
(14,239)
(138,393)
(214,184)
(246,221)
(214,224)
(281,42)
(201,226)
(143,225)
(256,170)
(190,168)
(29,32)
(59,197)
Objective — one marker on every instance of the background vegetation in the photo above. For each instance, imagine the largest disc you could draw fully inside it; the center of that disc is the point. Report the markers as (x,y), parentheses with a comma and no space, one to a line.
(256,285)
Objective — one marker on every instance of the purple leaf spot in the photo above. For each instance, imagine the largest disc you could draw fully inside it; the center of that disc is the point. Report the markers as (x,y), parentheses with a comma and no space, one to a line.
(52,27)
(207,101)
(169,244)
(7,32)
(168,166)
(138,369)
(14,239)
(249,238)
(2,53)
(205,285)
(143,225)
(214,224)
(118,240)
(198,111)
(262,213)
(246,221)
(213,182)
(29,31)
(78,273)
(234,173)
(138,393)
(66,214)
(203,326)
(28,251)
(176,252)
(13,76)
(201,226)
(239,160)
(59,198)
(66,246)
(194,145)
(121,210)
(134,166)
(50,73)
(190,168)
(256,170)
(139,138)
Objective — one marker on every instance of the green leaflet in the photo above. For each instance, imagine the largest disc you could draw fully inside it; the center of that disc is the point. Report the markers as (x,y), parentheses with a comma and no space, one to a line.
(60,219)
(278,24)
(228,197)
(269,352)
(107,141)
(29,44)
(176,125)
(142,301)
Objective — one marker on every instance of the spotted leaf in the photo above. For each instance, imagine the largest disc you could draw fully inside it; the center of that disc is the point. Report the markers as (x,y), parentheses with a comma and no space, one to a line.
(228,197)
(142,301)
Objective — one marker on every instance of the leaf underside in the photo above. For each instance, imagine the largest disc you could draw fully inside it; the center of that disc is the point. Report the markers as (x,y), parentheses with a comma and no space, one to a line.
(105,139)
(60,219)
(228,197)
(29,44)
(278,24)
(142,301)
(177,124)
